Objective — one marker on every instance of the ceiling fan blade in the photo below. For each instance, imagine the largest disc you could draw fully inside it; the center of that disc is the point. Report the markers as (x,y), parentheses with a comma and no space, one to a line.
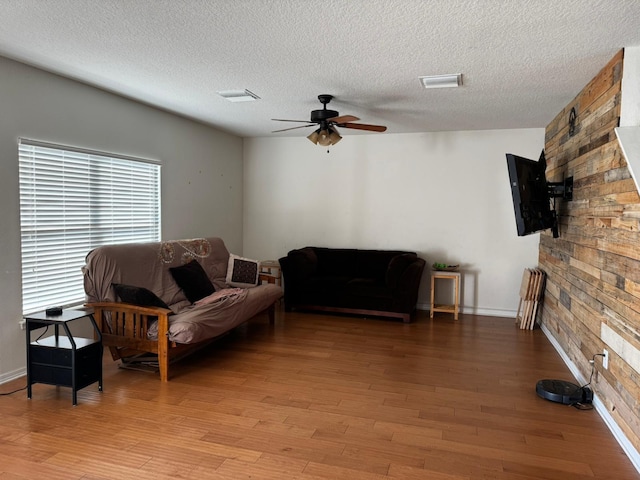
(293,128)
(363,126)
(283,120)
(343,119)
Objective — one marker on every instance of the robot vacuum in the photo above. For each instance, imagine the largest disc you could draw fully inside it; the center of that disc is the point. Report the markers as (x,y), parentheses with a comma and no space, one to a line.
(563,392)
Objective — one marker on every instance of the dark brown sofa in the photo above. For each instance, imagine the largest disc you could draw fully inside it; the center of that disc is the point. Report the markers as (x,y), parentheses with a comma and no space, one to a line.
(364,282)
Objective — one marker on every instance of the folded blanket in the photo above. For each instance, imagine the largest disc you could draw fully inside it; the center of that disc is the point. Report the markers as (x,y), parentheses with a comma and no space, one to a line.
(211,317)
(219,295)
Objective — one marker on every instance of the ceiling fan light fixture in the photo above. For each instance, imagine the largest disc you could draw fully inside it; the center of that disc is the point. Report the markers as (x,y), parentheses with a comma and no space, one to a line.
(327,120)
(238,95)
(441,81)
(313,138)
(324,138)
(334,136)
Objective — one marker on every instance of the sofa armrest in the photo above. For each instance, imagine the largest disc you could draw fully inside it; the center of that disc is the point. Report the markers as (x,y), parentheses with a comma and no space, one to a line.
(409,280)
(408,286)
(297,267)
(396,268)
(124,327)
(299,264)
(115,323)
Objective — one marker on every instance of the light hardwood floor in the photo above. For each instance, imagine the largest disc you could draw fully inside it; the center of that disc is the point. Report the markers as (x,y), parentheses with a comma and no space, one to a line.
(319,397)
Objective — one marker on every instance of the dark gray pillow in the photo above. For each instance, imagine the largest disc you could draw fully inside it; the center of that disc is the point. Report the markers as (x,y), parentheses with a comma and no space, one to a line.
(138,296)
(193,280)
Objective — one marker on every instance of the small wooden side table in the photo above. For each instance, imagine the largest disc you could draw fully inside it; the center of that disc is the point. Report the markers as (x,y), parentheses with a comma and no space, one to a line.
(453,308)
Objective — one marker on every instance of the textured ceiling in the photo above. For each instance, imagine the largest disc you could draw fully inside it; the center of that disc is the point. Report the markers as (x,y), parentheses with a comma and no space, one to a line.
(522,60)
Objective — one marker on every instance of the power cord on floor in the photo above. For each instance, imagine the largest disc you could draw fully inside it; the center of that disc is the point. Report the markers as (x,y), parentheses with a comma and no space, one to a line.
(587,406)
(25,387)
(15,391)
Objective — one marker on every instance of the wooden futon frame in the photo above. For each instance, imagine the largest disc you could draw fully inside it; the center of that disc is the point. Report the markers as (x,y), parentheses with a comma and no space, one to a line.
(124,330)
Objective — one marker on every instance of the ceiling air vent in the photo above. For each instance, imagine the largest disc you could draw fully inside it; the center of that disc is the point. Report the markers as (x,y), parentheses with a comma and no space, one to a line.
(441,81)
(238,95)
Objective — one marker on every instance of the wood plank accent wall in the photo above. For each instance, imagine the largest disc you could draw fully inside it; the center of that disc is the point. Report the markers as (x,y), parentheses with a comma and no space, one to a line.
(593,269)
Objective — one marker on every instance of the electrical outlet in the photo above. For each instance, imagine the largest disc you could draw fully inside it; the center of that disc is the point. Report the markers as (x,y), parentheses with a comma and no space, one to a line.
(605,359)
(22,324)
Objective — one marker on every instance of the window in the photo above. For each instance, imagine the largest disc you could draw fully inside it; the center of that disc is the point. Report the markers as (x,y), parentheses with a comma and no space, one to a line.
(71,201)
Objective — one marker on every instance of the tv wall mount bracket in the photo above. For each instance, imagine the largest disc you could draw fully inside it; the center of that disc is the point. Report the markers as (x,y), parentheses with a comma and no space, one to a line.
(562,189)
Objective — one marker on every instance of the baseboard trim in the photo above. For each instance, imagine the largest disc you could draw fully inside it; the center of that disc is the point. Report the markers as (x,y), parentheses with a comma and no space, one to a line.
(9,376)
(489,312)
(600,407)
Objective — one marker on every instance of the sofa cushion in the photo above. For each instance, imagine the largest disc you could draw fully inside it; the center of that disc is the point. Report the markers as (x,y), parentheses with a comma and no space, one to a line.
(193,280)
(336,261)
(368,294)
(242,272)
(138,296)
(323,290)
(367,287)
(373,264)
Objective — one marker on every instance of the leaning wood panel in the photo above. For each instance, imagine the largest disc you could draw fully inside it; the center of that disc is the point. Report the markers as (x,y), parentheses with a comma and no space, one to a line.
(530,296)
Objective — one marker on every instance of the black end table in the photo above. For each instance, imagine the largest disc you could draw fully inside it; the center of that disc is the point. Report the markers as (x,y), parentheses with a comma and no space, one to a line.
(65,360)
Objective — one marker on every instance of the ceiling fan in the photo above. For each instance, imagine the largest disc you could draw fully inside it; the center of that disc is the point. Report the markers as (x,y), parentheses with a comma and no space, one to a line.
(327,121)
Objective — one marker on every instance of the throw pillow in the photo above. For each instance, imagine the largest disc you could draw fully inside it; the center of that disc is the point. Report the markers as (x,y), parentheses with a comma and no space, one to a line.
(193,280)
(242,272)
(139,296)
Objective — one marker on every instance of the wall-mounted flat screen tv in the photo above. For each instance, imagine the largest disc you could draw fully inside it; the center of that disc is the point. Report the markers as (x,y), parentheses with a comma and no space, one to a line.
(530,192)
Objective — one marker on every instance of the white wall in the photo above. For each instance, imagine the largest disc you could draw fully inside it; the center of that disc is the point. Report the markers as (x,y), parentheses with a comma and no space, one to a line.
(629,130)
(201,170)
(630,104)
(444,195)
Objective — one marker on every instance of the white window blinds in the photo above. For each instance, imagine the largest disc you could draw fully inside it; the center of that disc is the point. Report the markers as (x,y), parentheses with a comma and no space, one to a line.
(72,201)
